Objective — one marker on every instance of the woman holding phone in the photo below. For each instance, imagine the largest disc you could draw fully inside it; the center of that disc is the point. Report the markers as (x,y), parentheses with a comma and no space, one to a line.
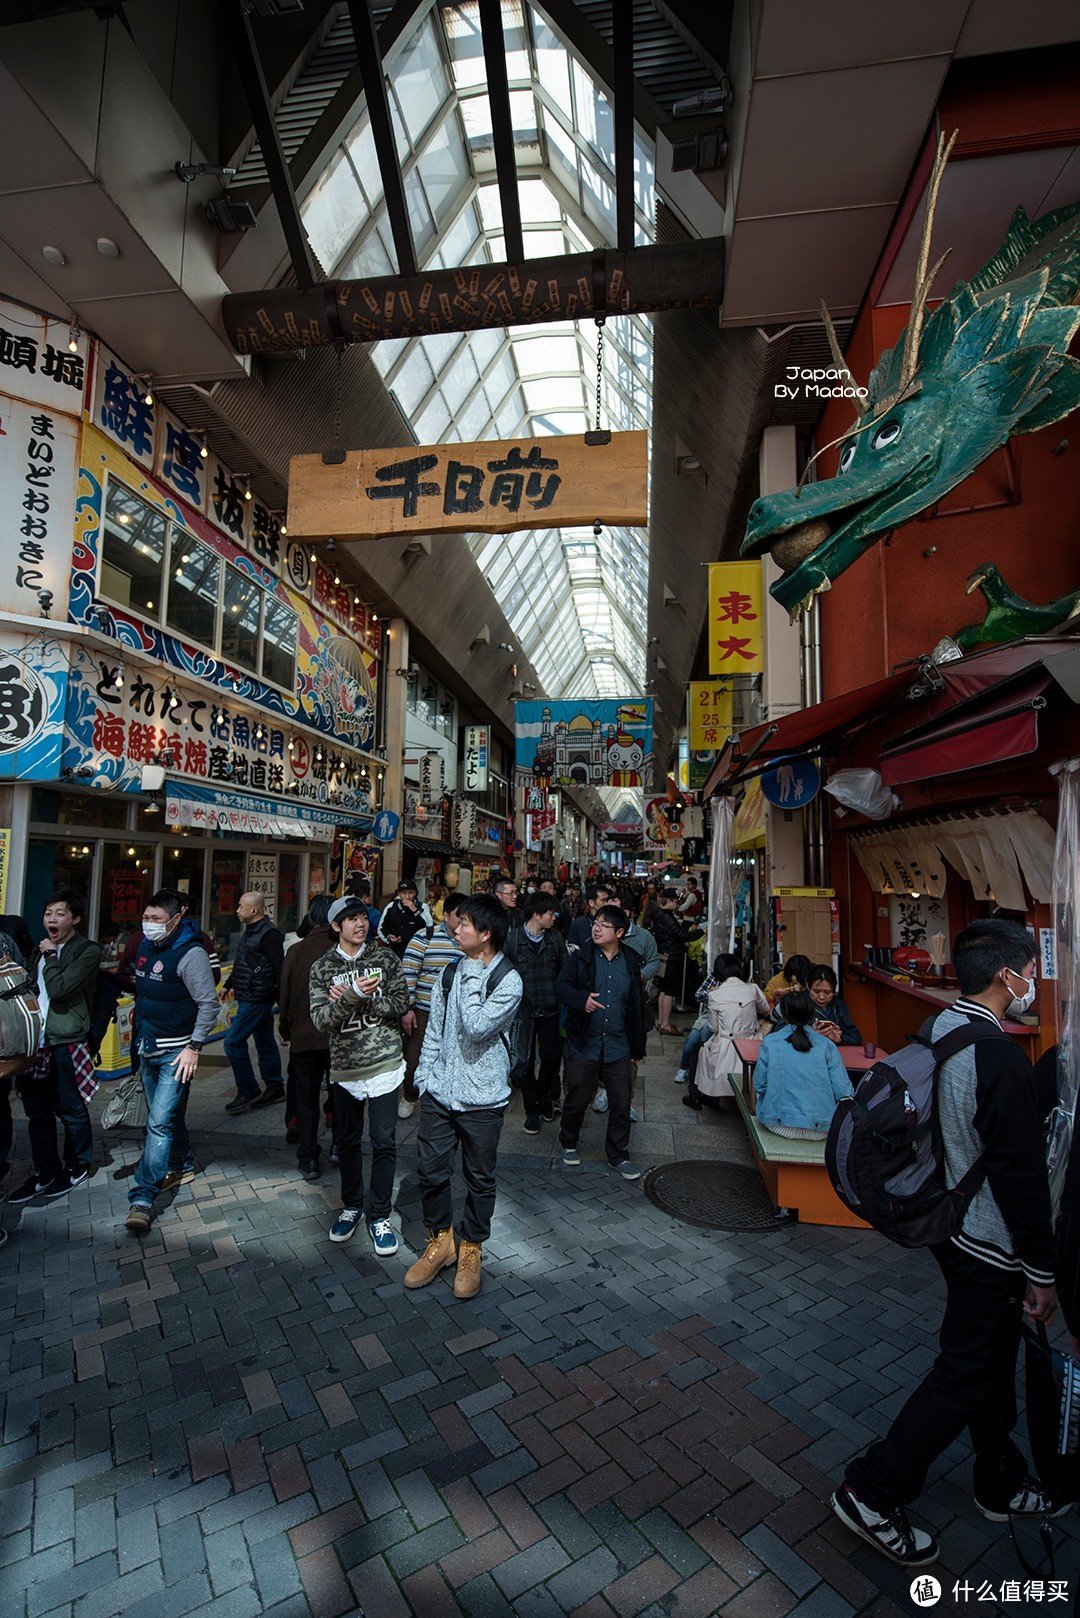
(358,997)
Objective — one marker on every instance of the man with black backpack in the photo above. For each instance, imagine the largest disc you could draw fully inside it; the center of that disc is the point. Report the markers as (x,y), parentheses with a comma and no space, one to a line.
(463,1080)
(997,1263)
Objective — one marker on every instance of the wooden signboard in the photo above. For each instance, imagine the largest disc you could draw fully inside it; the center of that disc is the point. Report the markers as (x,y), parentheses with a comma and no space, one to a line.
(557,482)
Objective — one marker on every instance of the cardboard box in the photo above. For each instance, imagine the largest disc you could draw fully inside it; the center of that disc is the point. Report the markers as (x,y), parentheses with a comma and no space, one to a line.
(807,923)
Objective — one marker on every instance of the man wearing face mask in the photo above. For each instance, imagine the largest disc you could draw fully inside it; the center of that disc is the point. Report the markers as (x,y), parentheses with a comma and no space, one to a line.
(998,1266)
(176,1006)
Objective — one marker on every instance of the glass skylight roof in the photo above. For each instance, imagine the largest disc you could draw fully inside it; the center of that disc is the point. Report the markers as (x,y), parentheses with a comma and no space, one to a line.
(577,602)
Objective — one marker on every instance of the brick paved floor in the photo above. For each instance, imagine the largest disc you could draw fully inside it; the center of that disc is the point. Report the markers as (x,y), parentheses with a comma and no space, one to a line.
(233,1417)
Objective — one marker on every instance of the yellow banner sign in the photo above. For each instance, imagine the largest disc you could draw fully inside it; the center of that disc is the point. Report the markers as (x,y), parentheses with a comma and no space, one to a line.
(736,618)
(557,482)
(711,706)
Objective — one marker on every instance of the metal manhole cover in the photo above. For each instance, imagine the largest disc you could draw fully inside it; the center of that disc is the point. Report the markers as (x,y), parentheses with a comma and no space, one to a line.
(716,1196)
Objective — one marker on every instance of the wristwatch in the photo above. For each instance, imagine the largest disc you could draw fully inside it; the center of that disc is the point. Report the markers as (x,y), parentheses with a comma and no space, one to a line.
(195,1044)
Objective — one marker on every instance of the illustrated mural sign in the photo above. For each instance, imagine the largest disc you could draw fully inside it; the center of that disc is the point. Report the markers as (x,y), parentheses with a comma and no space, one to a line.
(334,691)
(602,743)
(33,695)
(492,488)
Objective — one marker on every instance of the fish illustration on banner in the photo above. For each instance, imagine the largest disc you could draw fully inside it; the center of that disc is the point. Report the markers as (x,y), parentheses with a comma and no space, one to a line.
(594,743)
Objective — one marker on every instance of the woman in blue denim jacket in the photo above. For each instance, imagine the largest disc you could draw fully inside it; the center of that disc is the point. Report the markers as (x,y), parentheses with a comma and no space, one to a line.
(799,1076)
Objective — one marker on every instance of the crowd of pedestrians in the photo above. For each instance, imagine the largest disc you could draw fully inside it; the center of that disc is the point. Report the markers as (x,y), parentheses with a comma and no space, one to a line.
(446,1007)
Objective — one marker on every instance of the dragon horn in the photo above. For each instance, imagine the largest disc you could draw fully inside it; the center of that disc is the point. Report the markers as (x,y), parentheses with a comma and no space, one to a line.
(839,362)
(913,336)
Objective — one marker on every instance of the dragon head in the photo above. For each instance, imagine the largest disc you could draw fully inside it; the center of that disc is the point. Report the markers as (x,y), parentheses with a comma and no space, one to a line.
(991,360)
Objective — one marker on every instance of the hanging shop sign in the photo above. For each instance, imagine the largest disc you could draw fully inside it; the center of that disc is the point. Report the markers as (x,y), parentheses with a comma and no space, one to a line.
(431,778)
(5,864)
(584,743)
(37,363)
(663,827)
(791,784)
(736,618)
(39,457)
(710,712)
(465,824)
(492,488)
(262,877)
(474,772)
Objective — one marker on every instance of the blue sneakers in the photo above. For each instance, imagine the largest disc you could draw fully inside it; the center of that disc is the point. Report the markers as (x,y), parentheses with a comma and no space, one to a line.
(345,1224)
(383,1238)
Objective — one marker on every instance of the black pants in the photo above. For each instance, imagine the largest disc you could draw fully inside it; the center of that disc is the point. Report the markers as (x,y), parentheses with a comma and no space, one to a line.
(6,1128)
(971,1384)
(307,1072)
(349,1133)
(545,1042)
(52,1100)
(583,1077)
(440,1133)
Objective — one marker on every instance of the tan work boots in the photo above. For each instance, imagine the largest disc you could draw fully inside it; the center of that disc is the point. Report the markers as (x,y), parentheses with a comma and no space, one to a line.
(467,1279)
(439,1254)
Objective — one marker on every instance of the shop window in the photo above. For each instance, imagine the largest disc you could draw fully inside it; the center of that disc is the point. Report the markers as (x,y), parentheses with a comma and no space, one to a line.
(289,909)
(182,866)
(226,886)
(240,620)
(279,644)
(132,552)
(51,808)
(127,881)
(194,588)
(50,865)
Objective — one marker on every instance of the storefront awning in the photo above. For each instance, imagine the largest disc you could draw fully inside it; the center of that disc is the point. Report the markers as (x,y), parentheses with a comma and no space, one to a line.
(247,814)
(427,845)
(1000,723)
(991,690)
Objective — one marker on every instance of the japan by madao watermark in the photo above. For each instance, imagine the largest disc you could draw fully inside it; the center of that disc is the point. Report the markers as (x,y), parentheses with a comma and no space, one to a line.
(816,382)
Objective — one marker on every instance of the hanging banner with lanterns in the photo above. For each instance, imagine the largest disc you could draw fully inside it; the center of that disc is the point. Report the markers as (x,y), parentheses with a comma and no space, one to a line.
(736,618)
(488,488)
(474,768)
(584,743)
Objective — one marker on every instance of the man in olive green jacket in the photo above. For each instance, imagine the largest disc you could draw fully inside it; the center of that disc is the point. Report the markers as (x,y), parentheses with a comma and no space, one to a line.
(58,1086)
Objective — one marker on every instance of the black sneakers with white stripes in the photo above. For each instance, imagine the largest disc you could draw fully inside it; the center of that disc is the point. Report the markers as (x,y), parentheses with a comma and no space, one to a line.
(890,1534)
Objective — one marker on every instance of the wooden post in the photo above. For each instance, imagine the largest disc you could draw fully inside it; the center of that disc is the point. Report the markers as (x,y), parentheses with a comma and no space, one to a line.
(688,275)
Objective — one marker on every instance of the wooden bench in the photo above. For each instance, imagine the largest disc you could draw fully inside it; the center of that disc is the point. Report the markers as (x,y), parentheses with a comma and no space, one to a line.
(794,1172)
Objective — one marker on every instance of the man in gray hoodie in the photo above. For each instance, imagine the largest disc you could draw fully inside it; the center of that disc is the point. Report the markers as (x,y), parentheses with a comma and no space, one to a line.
(463,1080)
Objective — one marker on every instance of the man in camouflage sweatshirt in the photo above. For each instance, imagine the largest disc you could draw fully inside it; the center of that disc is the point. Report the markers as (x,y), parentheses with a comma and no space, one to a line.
(358,996)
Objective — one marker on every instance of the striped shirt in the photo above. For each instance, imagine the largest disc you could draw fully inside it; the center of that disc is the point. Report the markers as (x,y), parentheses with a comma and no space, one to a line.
(422,962)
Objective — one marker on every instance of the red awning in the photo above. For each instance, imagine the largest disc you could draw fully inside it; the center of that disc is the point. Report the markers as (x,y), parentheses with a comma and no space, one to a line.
(1000,723)
(983,692)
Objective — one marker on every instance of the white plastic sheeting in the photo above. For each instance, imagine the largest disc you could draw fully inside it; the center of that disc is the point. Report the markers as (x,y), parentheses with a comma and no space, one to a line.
(721,920)
(1066,902)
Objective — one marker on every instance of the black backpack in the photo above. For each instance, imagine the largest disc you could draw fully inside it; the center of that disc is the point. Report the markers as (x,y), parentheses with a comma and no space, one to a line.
(884,1151)
(494,978)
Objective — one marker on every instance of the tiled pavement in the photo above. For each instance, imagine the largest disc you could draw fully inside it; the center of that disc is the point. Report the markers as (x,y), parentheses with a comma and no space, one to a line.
(634,1417)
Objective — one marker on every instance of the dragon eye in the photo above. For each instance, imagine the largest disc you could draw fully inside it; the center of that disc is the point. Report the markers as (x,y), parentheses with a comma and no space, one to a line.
(847,456)
(886,435)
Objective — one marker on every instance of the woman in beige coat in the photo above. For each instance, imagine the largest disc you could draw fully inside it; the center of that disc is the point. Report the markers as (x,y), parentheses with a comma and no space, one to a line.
(734,1008)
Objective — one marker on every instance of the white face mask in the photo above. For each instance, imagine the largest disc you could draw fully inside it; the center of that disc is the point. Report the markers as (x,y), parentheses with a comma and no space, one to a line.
(155,931)
(1016,1007)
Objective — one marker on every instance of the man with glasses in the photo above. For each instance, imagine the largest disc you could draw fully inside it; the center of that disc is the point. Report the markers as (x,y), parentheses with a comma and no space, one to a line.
(606,1026)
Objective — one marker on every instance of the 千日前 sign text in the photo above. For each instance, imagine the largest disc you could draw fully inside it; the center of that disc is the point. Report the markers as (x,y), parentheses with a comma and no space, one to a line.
(555,482)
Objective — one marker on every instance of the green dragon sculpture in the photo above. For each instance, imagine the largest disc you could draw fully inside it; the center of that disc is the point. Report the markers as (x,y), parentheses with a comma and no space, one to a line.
(990,361)
(1009,616)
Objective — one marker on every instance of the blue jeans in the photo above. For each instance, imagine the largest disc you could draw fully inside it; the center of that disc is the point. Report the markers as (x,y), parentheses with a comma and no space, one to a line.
(698,1036)
(253,1020)
(167,1145)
